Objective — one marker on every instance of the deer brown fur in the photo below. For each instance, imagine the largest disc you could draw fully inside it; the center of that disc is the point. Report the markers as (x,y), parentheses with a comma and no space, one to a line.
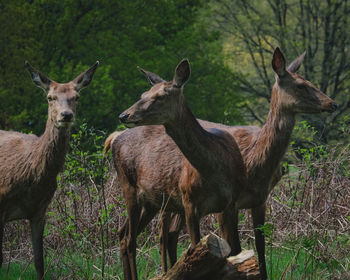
(29,164)
(262,149)
(177,166)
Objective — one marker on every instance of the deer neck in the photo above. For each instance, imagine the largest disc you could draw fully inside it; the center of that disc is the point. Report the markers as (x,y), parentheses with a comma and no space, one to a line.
(189,136)
(272,141)
(51,150)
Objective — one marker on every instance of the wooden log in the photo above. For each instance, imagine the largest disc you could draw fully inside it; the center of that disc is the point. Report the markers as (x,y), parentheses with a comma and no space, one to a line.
(243,266)
(208,260)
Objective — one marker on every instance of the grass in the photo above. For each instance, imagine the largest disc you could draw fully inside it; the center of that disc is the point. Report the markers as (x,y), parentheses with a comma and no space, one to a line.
(282,263)
(291,263)
(75,266)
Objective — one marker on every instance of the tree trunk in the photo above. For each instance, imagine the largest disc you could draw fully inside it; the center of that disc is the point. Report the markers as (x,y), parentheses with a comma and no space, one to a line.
(208,260)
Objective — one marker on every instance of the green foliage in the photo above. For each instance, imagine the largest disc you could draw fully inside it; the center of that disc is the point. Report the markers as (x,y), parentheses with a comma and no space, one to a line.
(63,38)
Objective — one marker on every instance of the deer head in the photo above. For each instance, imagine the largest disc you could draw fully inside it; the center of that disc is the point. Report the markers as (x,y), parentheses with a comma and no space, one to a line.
(295,94)
(162,102)
(62,98)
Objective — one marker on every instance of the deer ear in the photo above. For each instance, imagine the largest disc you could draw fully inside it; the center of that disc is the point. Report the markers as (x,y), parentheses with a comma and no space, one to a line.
(151,77)
(38,78)
(295,65)
(85,78)
(182,73)
(279,63)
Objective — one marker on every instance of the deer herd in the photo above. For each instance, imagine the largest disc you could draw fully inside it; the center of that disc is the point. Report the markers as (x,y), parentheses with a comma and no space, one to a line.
(167,162)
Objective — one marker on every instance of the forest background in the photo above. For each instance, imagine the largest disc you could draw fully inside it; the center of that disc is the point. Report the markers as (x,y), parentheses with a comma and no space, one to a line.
(229,45)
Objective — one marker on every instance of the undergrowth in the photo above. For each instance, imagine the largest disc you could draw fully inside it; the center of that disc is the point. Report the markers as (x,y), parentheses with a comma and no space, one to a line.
(307,229)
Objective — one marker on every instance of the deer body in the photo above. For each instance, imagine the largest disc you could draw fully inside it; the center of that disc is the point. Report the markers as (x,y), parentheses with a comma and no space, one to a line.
(262,150)
(136,151)
(27,179)
(29,164)
(178,167)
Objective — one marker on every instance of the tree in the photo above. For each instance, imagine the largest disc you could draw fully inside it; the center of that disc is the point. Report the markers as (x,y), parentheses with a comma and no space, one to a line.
(62,38)
(318,27)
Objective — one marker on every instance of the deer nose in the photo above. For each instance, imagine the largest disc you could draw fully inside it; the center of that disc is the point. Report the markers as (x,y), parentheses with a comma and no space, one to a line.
(67,116)
(123,117)
(334,106)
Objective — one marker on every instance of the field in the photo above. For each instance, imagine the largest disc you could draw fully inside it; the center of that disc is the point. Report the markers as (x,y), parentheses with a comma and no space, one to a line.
(307,229)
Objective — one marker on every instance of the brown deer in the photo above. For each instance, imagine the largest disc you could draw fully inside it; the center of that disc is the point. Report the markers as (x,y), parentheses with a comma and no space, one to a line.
(170,162)
(263,149)
(29,164)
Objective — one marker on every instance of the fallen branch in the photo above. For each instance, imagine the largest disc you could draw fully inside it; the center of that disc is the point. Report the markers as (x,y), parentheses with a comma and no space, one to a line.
(208,260)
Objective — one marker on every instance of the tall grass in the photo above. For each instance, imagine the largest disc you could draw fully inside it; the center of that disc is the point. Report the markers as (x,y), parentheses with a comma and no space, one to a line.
(307,228)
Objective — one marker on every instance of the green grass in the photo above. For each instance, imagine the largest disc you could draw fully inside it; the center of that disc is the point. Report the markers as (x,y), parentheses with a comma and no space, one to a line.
(293,264)
(297,262)
(18,270)
(282,263)
(76,266)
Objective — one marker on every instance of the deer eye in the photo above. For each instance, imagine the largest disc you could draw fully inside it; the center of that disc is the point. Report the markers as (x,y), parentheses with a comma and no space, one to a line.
(51,98)
(300,86)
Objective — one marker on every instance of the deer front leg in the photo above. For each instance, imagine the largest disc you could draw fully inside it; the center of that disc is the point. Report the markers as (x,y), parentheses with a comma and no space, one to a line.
(163,238)
(37,225)
(228,225)
(258,214)
(192,223)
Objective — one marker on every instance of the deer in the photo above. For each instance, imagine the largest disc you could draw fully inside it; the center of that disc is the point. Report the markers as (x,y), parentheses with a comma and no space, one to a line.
(262,150)
(167,161)
(29,164)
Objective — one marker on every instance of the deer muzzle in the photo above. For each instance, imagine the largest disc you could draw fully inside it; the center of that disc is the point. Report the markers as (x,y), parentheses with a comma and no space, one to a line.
(123,117)
(332,107)
(66,118)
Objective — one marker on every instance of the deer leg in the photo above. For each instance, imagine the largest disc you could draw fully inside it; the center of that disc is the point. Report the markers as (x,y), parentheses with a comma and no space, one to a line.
(37,225)
(258,214)
(122,234)
(131,241)
(176,224)
(192,223)
(163,238)
(236,245)
(1,237)
(134,213)
(228,225)
(147,215)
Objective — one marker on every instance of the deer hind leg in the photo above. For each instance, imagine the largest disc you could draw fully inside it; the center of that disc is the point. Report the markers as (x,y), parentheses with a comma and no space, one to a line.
(37,225)
(122,234)
(228,224)
(134,213)
(163,237)
(258,214)
(176,224)
(146,216)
